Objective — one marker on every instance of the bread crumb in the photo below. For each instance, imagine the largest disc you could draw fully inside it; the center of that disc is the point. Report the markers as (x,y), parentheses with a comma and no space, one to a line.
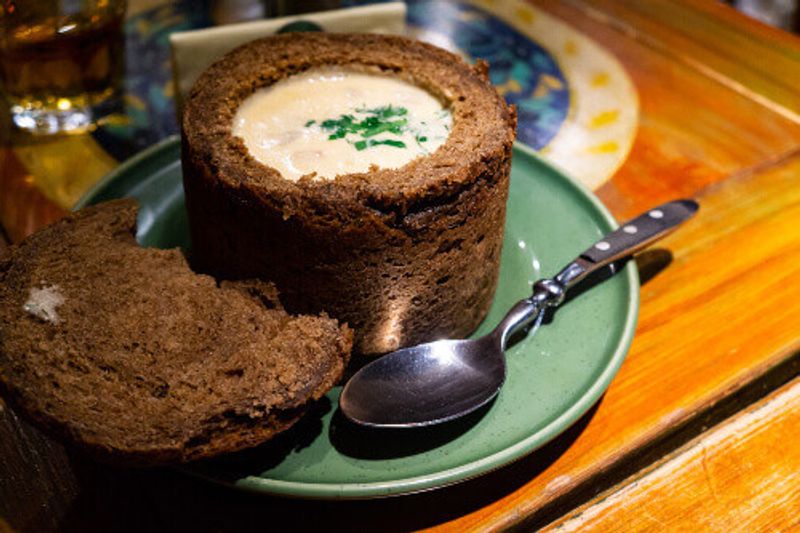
(42,303)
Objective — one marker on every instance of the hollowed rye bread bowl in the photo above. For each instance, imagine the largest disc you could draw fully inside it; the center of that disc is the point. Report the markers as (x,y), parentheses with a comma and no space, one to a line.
(402,255)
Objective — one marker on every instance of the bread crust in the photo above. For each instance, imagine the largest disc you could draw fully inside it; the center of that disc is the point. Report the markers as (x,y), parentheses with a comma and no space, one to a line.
(402,255)
(146,362)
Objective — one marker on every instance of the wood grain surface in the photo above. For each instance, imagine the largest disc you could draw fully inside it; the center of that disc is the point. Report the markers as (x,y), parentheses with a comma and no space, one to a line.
(756,60)
(694,130)
(23,206)
(719,319)
(744,475)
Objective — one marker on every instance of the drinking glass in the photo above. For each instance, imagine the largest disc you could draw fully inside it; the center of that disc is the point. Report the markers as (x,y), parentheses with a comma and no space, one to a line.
(60,61)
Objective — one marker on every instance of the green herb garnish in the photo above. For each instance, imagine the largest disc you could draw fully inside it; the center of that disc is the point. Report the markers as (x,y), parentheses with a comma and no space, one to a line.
(385,112)
(385,119)
(361,145)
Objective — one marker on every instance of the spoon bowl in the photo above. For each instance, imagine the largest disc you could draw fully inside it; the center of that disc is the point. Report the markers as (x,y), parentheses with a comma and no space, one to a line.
(459,376)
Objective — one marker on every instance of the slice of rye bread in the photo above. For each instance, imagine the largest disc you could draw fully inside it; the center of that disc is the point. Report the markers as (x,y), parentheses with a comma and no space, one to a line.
(130,355)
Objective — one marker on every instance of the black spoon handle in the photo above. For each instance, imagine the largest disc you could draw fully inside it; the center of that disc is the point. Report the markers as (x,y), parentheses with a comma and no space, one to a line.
(631,237)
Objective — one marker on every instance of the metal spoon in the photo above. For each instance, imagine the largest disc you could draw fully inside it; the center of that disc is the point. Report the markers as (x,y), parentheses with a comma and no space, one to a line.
(443,380)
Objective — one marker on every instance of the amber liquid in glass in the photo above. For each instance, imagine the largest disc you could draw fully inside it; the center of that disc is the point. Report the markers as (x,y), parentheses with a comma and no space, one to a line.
(62,63)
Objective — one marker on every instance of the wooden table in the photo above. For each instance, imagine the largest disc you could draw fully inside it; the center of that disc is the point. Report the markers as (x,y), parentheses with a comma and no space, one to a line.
(697,431)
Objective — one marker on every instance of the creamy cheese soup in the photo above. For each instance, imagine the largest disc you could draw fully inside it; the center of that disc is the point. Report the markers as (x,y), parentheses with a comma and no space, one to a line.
(334,121)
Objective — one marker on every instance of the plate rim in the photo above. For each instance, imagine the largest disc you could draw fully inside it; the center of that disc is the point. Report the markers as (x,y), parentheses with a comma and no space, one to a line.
(464,472)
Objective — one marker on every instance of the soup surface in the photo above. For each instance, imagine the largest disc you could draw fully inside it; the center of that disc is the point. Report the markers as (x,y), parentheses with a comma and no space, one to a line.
(333,121)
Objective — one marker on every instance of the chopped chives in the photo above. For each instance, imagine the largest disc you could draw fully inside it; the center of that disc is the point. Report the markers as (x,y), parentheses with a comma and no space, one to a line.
(361,145)
(392,127)
(389,142)
(380,120)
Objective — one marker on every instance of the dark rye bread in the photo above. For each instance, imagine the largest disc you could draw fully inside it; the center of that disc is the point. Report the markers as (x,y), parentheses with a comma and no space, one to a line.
(402,255)
(147,362)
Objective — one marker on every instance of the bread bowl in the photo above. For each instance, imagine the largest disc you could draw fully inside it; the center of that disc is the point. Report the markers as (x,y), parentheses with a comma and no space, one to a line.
(403,254)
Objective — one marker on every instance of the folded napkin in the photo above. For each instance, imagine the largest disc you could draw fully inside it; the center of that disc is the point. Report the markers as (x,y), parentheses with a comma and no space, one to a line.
(194,51)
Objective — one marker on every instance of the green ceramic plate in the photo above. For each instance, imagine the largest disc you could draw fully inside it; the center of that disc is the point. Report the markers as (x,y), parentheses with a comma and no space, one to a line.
(554,376)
